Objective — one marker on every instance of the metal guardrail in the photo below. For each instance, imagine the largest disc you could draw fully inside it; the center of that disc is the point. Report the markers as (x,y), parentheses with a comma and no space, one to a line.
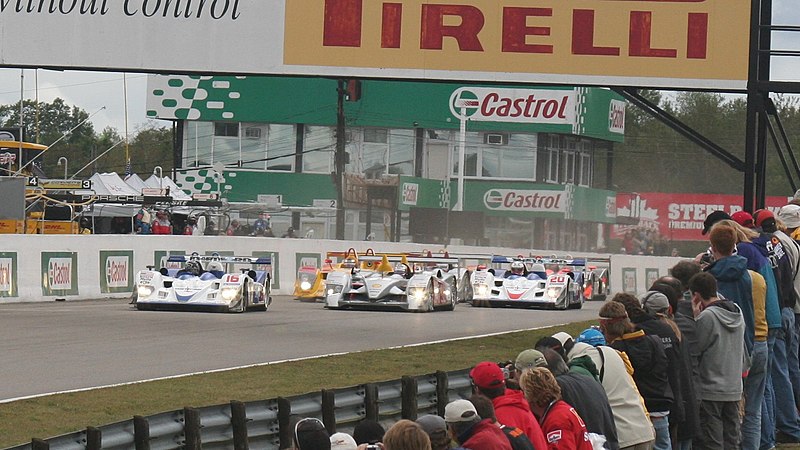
(265,424)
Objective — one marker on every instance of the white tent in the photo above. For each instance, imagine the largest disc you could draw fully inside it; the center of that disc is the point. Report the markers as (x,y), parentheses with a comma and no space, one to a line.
(136,183)
(174,191)
(111,184)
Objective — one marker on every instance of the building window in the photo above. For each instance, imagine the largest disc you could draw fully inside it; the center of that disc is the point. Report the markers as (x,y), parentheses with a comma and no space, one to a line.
(281,145)
(376,135)
(226,129)
(252,133)
(498,155)
(319,144)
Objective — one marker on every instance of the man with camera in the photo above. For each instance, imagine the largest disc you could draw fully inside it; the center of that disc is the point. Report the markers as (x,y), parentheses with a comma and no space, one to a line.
(510,406)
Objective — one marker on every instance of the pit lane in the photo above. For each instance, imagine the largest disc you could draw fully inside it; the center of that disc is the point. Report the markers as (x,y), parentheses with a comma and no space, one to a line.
(59,346)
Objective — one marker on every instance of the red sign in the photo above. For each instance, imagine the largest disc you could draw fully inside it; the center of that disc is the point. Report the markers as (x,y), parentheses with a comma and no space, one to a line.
(678,217)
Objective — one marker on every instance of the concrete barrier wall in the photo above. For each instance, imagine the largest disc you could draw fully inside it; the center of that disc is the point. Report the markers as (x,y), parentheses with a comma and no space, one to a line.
(48,267)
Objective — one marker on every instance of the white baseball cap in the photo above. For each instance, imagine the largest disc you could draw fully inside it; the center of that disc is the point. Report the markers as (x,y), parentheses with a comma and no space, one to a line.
(460,411)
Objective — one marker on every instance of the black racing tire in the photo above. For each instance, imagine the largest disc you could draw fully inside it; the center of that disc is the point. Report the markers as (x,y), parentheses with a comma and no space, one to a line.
(453,297)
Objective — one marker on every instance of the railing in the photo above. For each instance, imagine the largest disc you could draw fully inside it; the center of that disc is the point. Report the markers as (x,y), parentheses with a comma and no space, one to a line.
(265,424)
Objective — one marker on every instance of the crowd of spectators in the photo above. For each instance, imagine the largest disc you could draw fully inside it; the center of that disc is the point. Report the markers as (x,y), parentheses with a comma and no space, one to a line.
(707,358)
(162,222)
(646,241)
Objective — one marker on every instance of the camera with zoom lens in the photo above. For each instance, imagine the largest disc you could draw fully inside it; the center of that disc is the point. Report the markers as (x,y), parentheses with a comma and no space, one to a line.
(504,366)
(373,447)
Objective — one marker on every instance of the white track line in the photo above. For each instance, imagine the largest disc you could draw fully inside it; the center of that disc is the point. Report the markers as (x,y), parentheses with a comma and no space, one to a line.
(172,377)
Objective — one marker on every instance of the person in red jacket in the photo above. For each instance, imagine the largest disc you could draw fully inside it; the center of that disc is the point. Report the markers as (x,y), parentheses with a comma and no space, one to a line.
(467,428)
(562,426)
(510,406)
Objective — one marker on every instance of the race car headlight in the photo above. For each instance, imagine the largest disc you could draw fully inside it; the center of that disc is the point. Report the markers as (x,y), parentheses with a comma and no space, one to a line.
(144,291)
(334,289)
(481,290)
(417,294)
(228,293)
(554,292)
(305,285)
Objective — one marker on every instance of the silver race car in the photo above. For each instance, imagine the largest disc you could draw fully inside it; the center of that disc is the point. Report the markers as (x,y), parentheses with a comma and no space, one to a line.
(194,282)
(530,282)
(406,283)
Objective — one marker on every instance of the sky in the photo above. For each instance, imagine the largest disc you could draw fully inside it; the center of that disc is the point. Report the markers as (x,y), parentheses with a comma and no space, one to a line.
(93,90)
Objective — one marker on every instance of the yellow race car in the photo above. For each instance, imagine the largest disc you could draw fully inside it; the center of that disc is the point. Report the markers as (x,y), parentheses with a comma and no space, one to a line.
(310,283)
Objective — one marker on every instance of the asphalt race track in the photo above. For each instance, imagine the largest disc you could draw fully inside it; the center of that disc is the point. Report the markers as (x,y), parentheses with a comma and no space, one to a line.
(57,346)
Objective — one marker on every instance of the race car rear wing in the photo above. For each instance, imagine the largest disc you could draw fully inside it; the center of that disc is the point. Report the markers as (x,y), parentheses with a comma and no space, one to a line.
(222,259)
(411,259)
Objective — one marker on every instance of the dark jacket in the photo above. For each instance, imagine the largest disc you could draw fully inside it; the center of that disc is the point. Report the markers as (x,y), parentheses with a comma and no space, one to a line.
(517,438)
(655,327)
(734,283)
(781,268)
(646,354)
(590,401)
(690,392)
(484,435)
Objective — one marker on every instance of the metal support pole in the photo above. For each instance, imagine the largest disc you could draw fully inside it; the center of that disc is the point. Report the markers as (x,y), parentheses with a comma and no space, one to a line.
(339,159)
(753,107)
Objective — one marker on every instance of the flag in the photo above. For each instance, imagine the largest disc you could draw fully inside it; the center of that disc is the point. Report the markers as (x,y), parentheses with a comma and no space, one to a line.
(128,169)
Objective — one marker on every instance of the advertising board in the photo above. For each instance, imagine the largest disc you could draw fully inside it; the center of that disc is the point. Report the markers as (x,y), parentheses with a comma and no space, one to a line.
(676,216)
(59,273)
(8,274)
(677,43)
(116,271)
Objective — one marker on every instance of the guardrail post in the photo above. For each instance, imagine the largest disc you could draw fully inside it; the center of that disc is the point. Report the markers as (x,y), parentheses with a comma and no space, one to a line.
(284,419)
(39,444)
(239,424)
(371,402)
(408,397)
(329,410)
(442,385)
(94,438)
(191,428)
(141,433)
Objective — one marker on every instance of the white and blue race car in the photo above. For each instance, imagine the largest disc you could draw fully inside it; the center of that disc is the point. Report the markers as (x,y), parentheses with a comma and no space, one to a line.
(194,282)
(406,283)
(530,282)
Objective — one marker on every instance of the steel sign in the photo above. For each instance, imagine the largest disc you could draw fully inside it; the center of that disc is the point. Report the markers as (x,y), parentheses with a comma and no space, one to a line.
(678,43)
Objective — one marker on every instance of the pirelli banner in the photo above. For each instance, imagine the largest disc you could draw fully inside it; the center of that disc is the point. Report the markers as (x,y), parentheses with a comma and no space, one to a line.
(658,43)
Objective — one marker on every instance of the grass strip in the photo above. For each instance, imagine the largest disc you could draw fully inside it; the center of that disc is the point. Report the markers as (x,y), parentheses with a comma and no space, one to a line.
(55,415)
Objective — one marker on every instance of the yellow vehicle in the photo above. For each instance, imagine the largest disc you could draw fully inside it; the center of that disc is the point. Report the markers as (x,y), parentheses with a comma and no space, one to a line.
(310,283)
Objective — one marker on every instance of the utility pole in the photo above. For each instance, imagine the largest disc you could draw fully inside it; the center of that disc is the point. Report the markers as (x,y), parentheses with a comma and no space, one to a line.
(339,159)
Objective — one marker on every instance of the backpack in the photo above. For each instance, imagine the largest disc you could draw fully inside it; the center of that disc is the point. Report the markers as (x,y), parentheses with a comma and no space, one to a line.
(517,438)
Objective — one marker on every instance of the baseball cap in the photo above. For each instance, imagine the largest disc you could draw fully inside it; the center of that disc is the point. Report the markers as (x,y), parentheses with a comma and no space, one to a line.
(530,358)
(760,215)
(743,218)
(562,337)
(654,302)
(713,218)
(432,424)
(343,441)
(790,215)
(487,375)
(592,337)
(460,411)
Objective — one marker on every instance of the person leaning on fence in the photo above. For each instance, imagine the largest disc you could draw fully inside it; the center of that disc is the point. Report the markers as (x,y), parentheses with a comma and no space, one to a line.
(586,395)
(509,405)
(406,435)
(562,425)
(516,437)
(470,431)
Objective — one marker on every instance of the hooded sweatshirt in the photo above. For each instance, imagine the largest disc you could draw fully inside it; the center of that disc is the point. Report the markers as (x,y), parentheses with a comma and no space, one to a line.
(627,406)
(733,282)
(512,409)
(720,330)
(758,261)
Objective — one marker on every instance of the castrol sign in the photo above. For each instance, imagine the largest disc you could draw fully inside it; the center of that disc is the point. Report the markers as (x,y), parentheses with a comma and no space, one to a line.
(59,273)
(116,271)
(525,200)
(544,106)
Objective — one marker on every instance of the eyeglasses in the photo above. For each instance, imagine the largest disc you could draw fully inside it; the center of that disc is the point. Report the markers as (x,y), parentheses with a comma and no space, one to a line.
(316,425)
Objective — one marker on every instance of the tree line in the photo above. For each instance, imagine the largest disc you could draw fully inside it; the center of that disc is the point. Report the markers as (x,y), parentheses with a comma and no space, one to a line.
(655,158)
(46,123)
